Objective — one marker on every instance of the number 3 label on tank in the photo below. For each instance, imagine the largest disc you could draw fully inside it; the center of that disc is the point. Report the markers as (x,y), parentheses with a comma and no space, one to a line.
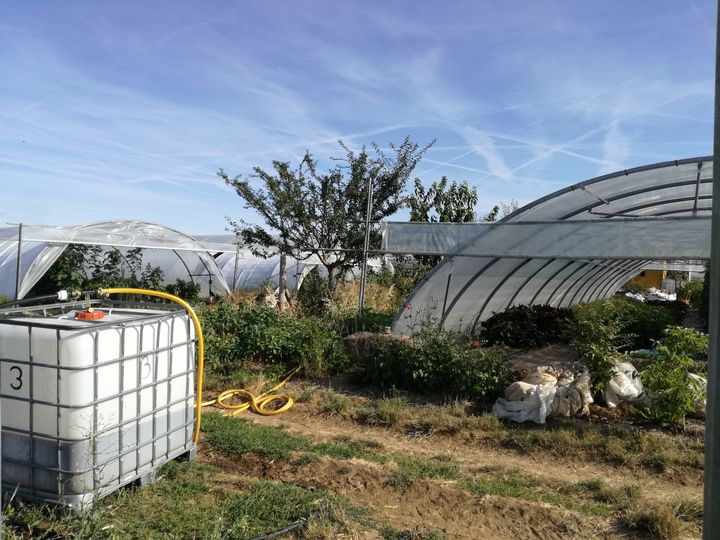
(145,367)
(13,379)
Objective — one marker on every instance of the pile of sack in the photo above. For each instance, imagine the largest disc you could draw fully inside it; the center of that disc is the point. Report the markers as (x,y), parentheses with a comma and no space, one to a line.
(546,391)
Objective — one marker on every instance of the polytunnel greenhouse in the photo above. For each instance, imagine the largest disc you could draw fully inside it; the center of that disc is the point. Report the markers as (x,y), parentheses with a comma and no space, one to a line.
(38,247)
(576,245)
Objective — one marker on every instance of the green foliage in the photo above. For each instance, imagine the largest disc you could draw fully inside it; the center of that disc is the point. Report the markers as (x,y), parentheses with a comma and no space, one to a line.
(306,211)
(438,362)
(236,334)
(311,292)
(645,322)
(187,290)
(409,470)
(604,328)
(691,291)
(82,267)
(597,335)
(441,203)
(3,299)
(670,388)
(346,323)
(528,326)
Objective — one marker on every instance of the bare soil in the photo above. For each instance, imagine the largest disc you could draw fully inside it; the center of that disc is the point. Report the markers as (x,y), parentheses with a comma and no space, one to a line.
(443,505)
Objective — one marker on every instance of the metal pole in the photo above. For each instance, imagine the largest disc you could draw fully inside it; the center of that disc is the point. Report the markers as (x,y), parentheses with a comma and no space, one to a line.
(235,269)
(363,271)
(17,263)
(711,514)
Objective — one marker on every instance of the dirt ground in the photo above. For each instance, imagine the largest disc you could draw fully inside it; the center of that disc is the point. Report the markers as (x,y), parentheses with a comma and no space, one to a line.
(442,505)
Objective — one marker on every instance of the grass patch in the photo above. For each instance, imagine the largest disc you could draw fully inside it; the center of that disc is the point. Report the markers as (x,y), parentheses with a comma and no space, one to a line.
(183,504)
(347,448)
(384,412)
(238,436)
(615,443)
(269,506)
(409,470)
(332,403)
(660,521)
(504,483)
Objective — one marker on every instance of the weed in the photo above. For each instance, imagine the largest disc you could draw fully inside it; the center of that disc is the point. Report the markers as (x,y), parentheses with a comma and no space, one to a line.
(384,412)
(332,403)
(661,521)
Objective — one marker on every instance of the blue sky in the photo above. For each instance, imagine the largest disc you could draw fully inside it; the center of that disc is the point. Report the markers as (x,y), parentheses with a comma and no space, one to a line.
(126,110)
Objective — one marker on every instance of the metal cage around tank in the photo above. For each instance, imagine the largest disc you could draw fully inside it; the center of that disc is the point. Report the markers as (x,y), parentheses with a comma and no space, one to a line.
(64,444)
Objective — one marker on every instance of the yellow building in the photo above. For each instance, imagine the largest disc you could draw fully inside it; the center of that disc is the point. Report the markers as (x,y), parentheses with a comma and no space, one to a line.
(647,279)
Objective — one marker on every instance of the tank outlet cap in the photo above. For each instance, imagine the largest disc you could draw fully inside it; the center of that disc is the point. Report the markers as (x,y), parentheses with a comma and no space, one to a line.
(89,315)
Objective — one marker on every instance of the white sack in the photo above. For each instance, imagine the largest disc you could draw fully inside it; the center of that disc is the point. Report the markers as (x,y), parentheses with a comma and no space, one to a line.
(625,385)
(535,407)
(700,403)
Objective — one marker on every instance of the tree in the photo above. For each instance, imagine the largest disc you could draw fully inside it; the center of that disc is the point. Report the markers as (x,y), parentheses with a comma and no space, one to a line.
(308,212)
(443,204)
(501,210)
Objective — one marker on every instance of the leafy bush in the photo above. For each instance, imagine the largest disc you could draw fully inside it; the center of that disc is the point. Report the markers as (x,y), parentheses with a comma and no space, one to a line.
(672,392)
(346,323)
(597,336)
(311,293)
(691,292)
(236,334)
(83,267)
(645,322)
(604,328)
(438,362)
(3,299)
(528,326)
(187,290)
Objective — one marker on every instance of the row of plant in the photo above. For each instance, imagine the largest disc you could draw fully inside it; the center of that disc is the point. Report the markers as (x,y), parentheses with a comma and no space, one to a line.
(639,324)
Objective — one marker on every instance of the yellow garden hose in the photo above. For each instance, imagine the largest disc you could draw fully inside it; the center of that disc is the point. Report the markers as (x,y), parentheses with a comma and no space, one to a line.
(198,332)
(258,403)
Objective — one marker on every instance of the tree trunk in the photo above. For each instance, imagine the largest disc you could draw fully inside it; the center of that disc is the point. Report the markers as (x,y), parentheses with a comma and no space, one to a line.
(282,285)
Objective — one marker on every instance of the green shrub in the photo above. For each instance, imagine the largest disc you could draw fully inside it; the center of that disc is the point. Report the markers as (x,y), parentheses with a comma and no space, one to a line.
(668,385)
(237,334)
(438,362)
(597,335)
(346,323)
(645,322)
(311,293)
(187,290)
(691,291)
(528,326)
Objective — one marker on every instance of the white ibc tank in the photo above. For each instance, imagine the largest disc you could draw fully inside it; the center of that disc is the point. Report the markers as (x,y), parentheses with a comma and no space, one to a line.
(91,405)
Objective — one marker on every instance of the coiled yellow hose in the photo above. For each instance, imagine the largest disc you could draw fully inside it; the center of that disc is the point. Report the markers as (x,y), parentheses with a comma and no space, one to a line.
(259,403)
(198,332)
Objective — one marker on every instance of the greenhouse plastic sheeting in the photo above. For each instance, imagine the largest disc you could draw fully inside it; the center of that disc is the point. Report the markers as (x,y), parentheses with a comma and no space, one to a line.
(461,292)
(622,238)
(42,245)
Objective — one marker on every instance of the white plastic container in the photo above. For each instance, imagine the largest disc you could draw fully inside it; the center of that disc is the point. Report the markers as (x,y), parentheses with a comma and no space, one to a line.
(89,406)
